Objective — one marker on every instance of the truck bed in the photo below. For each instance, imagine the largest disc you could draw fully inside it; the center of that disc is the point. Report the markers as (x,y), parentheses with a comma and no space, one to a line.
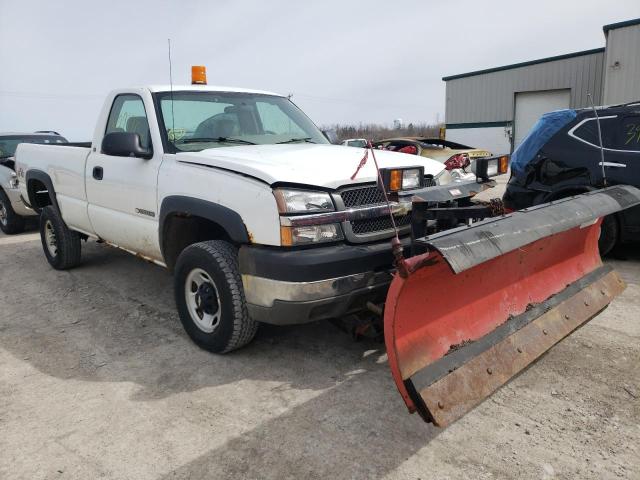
(65,164)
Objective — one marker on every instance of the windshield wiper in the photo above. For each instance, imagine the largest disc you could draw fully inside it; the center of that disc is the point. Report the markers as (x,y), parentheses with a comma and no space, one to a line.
(294,140)
(217,140)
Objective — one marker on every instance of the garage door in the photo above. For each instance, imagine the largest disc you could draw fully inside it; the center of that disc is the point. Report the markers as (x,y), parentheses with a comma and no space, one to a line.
(531,105)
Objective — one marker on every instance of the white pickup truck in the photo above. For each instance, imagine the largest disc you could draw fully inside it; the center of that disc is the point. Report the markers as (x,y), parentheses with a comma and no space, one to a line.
(237,193)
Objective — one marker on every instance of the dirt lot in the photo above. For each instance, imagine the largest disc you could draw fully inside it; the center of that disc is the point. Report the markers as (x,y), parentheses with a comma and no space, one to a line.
(97,379)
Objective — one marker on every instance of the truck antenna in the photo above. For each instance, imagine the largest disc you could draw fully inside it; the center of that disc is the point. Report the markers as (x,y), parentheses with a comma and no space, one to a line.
(173,117)
(595,112)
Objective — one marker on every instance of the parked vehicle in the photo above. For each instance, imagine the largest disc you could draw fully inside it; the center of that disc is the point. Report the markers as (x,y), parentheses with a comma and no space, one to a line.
(354,142)
(13,211)
(458,159)
(561,157)
(237,193)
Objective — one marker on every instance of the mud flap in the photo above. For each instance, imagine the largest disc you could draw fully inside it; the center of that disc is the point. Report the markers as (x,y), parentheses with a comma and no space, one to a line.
(489,299)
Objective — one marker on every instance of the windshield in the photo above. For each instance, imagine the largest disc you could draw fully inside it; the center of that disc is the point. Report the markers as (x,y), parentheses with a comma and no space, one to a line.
(195,121)
(9,143)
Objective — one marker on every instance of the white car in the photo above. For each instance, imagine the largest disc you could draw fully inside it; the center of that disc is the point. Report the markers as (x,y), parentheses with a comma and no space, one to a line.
(354,142)
(237,193)
(13,211)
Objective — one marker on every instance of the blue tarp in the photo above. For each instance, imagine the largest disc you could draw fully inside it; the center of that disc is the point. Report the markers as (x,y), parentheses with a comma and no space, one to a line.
(541,133)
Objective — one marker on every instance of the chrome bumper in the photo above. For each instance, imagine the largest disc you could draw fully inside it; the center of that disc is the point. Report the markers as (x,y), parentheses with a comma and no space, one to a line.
(284,303)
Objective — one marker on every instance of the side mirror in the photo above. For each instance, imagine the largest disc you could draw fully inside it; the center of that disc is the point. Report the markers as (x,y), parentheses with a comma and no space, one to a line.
(124,144)
(331,135)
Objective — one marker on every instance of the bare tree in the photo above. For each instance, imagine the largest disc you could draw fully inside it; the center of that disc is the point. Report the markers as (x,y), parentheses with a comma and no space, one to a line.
(375,132)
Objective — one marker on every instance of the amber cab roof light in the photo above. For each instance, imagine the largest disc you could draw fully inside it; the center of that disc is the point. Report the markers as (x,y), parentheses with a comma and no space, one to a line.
(198,75)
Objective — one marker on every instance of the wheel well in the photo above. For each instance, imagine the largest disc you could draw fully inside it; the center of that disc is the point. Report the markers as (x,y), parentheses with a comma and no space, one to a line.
(38,194)
(181,230)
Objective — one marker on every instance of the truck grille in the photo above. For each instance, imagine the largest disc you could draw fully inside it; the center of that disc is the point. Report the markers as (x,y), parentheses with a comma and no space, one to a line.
(378,224)
(369,195)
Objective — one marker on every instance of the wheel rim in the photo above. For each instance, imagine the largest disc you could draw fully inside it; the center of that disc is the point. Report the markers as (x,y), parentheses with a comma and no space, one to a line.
(203,300)
(50,239)
(3,214)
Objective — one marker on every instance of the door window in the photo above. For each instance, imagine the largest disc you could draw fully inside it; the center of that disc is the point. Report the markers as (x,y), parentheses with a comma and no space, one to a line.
(588,132)
(128,115)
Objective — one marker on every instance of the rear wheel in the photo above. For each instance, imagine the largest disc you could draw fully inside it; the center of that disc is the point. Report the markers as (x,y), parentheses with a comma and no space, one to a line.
(210,297)
(10,221)
(609,234)
(61,246)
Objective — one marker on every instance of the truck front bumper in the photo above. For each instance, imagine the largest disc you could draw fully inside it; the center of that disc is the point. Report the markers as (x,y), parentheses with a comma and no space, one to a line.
(292,286)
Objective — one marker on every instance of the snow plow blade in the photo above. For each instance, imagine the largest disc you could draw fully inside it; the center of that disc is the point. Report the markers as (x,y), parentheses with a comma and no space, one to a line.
(487,300)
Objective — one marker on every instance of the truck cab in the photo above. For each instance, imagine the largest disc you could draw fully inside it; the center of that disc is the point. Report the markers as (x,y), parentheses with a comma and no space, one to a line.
(236,192)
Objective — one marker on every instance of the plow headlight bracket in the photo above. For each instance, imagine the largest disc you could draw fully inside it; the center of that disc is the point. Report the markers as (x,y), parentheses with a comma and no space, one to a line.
(398,179)
(491,167)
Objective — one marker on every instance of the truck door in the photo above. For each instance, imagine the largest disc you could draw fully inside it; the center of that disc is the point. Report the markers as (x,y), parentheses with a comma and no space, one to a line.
(122,191)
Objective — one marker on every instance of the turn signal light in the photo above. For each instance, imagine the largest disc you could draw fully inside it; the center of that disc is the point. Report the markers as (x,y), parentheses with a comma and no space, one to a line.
(198,75)
(503,164)
(395,180)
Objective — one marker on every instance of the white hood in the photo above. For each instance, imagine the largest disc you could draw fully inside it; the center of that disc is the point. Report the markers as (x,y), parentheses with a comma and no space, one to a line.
(328,166)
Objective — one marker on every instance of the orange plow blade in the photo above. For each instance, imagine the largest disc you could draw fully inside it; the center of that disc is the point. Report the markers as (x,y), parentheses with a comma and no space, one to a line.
(487,300)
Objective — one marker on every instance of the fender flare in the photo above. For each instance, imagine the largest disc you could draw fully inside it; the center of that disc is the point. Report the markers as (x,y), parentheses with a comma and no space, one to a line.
(228,219)
(46,179)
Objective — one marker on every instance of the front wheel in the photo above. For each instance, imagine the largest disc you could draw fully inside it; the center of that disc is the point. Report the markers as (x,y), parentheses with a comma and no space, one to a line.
(210,297)
(10,221)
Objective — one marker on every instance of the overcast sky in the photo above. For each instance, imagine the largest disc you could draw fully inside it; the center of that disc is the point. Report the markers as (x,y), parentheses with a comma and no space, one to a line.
(343,61)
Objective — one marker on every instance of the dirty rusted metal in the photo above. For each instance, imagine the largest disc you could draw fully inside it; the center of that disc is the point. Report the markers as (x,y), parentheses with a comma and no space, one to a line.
(457,392)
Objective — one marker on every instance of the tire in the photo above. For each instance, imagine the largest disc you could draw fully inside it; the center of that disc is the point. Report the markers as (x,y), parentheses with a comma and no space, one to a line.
(609,234)
(10,222)
(61,246)
(210,297)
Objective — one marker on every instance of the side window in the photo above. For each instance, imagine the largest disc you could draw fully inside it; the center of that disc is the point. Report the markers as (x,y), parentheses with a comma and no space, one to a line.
(128,115)
(629,133)
(588,132)
(277,122)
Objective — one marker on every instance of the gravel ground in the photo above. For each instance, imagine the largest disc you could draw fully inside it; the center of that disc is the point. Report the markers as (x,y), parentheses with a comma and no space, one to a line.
(98,380)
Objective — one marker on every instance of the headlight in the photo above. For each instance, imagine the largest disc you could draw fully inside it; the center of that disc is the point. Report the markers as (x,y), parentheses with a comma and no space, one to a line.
(490,167)
(290,236)
(411,178)
(397,179)
(300,201)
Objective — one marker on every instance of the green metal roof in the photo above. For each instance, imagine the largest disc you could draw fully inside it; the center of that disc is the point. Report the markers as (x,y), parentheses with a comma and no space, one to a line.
(626,23)
(525,64)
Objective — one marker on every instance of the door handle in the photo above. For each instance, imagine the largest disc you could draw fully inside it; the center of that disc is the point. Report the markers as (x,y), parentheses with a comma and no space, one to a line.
(98,173)
(612,164)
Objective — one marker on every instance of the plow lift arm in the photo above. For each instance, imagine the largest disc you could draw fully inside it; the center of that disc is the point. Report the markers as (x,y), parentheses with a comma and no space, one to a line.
(475,304)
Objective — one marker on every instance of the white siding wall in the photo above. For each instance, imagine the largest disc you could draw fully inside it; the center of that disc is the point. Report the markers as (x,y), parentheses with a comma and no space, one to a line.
(494,139)
(622,79)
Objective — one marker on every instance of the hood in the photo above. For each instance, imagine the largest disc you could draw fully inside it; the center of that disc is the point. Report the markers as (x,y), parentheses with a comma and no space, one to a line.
(327,166)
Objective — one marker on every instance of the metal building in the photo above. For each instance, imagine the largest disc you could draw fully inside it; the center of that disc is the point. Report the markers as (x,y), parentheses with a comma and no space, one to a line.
(496,107)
